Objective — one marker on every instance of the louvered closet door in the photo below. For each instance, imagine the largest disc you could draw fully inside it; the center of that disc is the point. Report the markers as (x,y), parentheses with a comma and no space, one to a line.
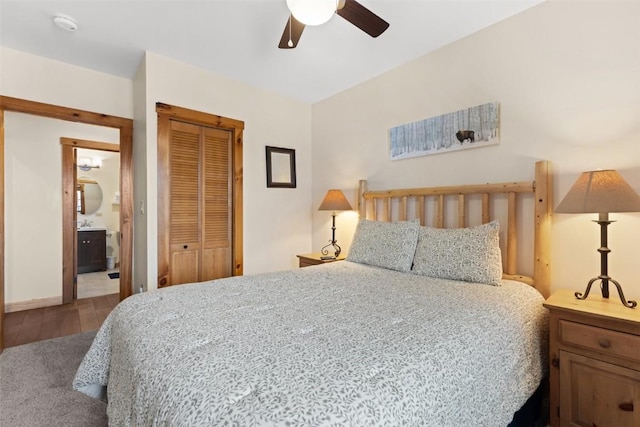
(184,201)
(217,204)
(200,203)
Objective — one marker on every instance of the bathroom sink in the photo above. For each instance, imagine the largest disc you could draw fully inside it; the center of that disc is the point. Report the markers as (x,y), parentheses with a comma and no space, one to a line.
(92,228)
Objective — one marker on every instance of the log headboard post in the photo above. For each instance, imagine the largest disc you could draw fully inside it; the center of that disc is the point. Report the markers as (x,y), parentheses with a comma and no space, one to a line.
(542,242)
(362,206)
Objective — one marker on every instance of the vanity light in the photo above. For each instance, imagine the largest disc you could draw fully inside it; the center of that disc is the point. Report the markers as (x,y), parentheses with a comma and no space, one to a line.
(88,164)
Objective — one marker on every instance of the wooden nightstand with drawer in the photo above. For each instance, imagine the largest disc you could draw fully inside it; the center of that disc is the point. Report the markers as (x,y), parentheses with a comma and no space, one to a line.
(594,352)
(316,258)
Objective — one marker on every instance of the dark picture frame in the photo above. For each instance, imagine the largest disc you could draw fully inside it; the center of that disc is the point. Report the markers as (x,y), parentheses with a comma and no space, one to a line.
(281,167)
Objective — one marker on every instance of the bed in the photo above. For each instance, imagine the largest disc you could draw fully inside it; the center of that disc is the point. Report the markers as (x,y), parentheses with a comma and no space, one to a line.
(388,337)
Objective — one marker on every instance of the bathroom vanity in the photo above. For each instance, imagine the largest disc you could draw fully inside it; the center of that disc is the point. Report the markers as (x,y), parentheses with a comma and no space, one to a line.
(92,250)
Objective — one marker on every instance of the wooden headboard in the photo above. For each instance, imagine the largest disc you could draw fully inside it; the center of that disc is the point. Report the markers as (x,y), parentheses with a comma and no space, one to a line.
(388,205)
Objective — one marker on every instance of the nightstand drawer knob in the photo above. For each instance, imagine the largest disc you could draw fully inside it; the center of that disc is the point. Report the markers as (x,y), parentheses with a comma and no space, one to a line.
(604,343)
(555,362)
(626,407)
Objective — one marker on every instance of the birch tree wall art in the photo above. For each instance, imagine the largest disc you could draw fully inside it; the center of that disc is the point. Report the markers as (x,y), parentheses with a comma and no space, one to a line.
(470,128)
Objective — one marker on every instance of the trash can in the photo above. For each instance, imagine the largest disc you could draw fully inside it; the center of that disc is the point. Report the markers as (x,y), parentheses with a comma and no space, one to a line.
(111,262)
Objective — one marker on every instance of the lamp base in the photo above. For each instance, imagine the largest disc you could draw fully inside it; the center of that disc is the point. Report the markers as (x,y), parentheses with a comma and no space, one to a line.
(334,245)
(333,242)
(603,221)
(605,286)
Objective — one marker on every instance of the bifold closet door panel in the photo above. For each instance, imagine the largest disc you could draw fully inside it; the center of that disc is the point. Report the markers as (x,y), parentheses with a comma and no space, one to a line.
(217,204)
(184,195)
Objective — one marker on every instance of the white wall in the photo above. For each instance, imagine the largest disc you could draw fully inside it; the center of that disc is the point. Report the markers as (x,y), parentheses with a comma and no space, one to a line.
(277,222)
(33,162)
(567,77)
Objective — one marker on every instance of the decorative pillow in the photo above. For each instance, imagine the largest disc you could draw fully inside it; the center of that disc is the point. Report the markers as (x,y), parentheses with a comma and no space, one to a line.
(385,244)
(468,254)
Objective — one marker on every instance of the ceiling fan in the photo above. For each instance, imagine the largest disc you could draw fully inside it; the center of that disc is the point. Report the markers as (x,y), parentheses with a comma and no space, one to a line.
(316,12)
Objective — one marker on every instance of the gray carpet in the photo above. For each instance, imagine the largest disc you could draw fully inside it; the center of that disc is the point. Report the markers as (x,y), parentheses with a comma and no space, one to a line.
(35,385)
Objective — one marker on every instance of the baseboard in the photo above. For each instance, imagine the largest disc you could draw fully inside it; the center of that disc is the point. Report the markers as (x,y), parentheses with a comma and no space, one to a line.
(10,307)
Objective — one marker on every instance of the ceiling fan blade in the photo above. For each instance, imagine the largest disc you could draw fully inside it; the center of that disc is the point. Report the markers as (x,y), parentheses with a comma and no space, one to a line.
(363,18)
(294,30)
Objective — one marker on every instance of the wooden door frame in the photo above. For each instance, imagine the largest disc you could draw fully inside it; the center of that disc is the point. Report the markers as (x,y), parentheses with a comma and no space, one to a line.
(125,127)
(69,239)
(236,127)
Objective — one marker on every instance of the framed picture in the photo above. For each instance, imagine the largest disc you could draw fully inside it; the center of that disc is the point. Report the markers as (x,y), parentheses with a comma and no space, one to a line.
(281,167)
(469,128)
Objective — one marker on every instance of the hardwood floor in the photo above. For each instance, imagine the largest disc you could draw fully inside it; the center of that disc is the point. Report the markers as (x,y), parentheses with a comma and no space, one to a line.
(23,327)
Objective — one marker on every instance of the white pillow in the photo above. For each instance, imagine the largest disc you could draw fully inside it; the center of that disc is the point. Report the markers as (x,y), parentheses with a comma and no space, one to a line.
(389,245)
(468,254)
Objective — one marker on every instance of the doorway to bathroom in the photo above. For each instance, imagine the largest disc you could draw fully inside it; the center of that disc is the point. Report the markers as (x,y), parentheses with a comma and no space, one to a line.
(10,108)
(91,214)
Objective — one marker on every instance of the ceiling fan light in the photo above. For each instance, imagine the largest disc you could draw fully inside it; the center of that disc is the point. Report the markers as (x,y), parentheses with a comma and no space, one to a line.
(312,12)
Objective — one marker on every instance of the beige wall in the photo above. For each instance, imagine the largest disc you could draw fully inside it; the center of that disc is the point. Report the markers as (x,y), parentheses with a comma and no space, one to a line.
(33,161)
(567,77)
(140,246)
(35,78)
(277,221)
(33,202)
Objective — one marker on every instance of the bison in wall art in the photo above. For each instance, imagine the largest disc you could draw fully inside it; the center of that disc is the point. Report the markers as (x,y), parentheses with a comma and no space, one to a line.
(465,135)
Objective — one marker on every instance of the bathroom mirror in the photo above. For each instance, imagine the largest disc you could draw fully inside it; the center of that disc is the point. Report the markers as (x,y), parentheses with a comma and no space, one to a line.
(89,196)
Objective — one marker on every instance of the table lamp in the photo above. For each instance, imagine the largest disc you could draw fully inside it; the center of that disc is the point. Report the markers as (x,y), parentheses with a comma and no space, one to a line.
(334,201)
(601,192)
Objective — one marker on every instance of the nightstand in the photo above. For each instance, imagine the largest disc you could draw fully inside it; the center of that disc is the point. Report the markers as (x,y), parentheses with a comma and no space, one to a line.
(594,351)
(314,259)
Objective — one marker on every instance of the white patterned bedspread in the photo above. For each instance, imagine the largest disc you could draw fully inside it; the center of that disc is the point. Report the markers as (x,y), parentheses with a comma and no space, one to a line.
(337,344)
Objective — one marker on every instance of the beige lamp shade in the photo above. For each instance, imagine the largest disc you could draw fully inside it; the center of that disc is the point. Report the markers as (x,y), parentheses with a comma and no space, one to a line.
(334,200)
(601,191)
